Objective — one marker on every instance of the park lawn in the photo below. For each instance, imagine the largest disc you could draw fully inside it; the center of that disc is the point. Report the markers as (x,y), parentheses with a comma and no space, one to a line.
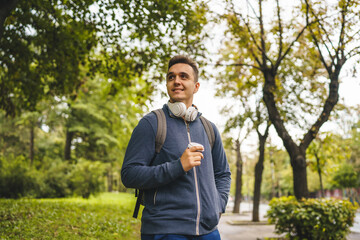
(107,216)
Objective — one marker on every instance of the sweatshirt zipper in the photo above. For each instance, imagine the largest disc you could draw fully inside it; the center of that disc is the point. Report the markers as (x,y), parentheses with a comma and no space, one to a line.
(196,186)
(155,196)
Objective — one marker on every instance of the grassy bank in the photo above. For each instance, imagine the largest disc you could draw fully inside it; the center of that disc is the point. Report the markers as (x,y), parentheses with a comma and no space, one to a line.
(108,216)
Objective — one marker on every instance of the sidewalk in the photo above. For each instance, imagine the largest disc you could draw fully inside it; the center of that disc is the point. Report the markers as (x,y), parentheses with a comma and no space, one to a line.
(239,226)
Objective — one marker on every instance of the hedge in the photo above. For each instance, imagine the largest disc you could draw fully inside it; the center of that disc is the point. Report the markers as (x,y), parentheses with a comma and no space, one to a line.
(312,218)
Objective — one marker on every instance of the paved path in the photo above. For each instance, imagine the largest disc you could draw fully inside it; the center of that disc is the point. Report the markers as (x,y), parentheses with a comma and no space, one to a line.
(243,232)
(230,231)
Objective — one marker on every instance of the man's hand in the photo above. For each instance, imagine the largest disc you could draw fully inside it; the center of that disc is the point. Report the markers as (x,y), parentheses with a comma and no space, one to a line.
(191,157)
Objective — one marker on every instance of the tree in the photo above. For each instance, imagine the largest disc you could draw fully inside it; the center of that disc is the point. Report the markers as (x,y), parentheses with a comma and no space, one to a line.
(259,167)
(324,150)
(267,48)
(238,122)
(278,173)
(30,120)
(243,84)
(336,44)
(48,49)
(45,44)
(346,178)
(41,51)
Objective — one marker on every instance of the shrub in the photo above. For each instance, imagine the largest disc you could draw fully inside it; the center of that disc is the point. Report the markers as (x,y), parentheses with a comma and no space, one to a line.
(312,218)
(54,182)
(87,178)
(345,177)
(15,178)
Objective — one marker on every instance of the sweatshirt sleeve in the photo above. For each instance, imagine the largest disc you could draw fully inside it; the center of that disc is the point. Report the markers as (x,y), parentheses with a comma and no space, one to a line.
(221,169)
(136,172)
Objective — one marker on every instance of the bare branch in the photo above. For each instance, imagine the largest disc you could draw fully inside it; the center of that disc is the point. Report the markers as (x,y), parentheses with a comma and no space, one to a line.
(341,36)
(328,69)
(280,29)
(236,65)
(290,46)
(352,37)
(249,30)
(262,37)
(260,48)
(353,52)
(327,36)
(249,4)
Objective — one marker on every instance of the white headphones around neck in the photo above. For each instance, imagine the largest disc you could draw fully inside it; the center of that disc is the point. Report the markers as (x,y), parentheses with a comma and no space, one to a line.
(179,110)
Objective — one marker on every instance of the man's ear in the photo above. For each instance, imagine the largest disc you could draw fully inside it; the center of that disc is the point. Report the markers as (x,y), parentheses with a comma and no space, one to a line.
(197,86)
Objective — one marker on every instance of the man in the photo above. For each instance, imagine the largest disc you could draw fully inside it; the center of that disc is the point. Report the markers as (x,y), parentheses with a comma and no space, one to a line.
(185,189)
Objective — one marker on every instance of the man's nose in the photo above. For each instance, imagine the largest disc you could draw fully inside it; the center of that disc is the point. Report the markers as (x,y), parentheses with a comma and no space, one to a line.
(177,79)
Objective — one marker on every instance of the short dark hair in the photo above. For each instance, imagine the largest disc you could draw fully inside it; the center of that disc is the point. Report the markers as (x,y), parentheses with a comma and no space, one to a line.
(187,60)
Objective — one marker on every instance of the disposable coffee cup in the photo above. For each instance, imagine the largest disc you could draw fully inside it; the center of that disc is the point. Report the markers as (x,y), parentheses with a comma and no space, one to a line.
(193,144)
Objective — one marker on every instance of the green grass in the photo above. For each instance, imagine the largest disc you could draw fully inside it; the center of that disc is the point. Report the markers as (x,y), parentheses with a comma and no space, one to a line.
(107,216)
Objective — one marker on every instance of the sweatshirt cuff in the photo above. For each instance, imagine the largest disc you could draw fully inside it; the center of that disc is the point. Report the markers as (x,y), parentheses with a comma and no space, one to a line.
(176,169)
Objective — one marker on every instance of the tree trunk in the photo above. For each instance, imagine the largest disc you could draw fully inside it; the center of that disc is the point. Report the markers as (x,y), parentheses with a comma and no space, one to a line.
(259,167)
(296,153)
(238,187)
(320,176)
(298,163)
(31,147)
(273,181)
(109,176)
(68,140)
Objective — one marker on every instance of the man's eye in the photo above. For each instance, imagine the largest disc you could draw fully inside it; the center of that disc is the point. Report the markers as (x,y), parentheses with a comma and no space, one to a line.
(184,76)
(171,77)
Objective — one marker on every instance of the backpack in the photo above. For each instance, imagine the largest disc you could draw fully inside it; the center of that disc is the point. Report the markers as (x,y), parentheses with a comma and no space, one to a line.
(159,142)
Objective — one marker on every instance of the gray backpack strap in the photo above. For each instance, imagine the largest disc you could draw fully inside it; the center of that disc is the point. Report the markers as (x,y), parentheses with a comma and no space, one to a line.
(161,129)
(209,130)
(159,142)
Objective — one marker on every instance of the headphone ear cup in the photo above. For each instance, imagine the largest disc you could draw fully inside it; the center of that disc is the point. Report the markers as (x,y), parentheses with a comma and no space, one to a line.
(177,108)
(191,114)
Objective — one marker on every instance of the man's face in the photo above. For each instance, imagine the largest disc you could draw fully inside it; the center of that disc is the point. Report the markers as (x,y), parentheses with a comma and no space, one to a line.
(180,83)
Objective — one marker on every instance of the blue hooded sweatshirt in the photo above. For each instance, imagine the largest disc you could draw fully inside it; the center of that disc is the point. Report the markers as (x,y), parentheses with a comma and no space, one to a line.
(177,202)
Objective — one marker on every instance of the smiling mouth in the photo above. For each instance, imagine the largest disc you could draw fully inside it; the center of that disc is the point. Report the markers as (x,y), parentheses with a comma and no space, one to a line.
(178,90)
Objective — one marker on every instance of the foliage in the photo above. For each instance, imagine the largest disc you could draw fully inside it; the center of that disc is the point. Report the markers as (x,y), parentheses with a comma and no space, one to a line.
(108,216)
(76,75)
(45,45)
(326,153)
(278,174)
(42,49)
(53,179)
(312,218)
(87,178)
(345,177)
(15,178)
(354,144)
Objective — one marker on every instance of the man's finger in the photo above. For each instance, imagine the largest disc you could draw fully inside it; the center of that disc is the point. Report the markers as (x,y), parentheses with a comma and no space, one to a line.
(197,149)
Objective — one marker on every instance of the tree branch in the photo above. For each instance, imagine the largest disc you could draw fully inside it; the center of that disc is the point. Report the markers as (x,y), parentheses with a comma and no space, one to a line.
(328,107)
(278,61)
(236,65)
(328,69)
(355,50)
(280,29)
(341,36)
(317,41)
(260,48)
(262,37)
